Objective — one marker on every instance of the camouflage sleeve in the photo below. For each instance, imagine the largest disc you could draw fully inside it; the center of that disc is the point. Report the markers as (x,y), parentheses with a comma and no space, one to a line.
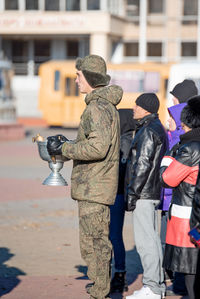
(97,126)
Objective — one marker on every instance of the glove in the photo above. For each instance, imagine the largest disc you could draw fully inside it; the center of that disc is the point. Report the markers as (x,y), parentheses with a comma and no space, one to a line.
(55,143)
(130,203)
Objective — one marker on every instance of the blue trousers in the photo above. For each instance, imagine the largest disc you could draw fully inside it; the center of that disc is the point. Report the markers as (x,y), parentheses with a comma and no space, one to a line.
(117,212)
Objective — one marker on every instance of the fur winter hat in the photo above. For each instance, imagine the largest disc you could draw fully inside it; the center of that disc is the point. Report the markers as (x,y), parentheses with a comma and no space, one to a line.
(149,102)
(190,114)
(94,70)
(184,90)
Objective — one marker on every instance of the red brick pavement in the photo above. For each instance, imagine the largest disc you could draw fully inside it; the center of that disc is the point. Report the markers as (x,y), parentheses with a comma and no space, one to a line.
(15,188)
(26,189)
(56,287)
(53,287)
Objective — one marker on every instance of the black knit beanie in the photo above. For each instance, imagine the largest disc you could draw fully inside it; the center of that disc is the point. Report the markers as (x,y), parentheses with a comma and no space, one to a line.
(149,102)
(184,90)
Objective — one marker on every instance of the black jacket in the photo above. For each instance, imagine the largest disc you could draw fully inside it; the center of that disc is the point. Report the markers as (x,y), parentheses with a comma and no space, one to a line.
(127,127)
(195,214)
(142,172)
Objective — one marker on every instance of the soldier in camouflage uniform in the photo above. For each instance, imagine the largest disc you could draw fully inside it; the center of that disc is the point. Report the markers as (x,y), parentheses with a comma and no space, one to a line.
(94,179)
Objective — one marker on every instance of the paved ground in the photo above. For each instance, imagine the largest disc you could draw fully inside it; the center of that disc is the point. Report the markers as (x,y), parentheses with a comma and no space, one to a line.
(39,248)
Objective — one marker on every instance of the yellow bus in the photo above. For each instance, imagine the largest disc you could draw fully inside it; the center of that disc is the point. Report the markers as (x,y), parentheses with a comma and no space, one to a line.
(61,103)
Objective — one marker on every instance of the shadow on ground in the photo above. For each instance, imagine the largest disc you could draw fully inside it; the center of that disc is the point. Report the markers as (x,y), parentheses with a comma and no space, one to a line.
(8,275)
(133,265)
(83,270)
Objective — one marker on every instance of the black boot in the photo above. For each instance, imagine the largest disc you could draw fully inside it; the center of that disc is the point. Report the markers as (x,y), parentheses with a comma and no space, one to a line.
(118,283)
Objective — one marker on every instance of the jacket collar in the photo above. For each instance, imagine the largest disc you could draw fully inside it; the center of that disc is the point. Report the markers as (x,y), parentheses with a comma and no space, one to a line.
(146,120)
(111,93)
(194,134)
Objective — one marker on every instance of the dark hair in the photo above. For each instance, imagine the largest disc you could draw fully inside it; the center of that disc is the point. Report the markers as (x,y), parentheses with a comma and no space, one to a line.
(190,114)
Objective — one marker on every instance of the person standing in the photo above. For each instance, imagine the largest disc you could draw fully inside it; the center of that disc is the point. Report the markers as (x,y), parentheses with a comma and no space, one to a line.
(195,222)
(195,213)
(117,211)
(181,94)
(95,154)
(143,192)
(179,171)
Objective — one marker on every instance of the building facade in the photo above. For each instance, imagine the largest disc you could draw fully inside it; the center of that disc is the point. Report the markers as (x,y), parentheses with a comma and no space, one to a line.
(35,31)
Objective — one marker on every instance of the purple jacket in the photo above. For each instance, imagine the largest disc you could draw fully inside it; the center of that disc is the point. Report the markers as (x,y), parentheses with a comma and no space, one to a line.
(173,138)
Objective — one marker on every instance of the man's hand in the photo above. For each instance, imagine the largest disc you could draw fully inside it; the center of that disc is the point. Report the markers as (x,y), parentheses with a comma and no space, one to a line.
(55,143)
(195,236)
(193,241)
(130,203)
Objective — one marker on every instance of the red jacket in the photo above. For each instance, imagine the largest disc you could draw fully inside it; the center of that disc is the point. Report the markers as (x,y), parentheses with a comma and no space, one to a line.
(179,171)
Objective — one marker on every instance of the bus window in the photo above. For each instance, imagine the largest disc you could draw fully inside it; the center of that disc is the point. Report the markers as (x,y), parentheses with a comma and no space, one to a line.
(151,82)
(71,88)
(136,81)
(56,80)
(68,86)
(76,89)
(166,81)
(130,81)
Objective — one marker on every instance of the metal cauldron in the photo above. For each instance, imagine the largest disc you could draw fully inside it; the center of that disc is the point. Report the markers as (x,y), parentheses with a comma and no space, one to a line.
(55,163)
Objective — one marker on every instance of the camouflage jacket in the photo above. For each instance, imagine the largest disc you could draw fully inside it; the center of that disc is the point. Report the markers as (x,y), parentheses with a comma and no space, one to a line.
(96,150)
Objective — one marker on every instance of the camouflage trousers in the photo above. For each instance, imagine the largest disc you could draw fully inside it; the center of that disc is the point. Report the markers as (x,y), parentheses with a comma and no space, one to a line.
(95,246)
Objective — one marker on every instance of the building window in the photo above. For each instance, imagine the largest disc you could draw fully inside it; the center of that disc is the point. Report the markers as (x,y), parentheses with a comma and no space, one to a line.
(51,5)
(189,49)
(154,49)
(155,6)
(132,8)
(190,12)
(93,4)
(31,4)
(190,8)
(19,50)
(19,56)
(131,49)
(72,49)
(41,52)
(11,4)
(72,4)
